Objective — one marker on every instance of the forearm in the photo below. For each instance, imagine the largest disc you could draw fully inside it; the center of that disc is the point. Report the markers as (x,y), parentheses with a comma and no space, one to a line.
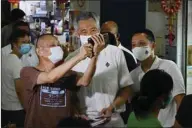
(117,103)
(124,95)
(176,125)
(19,90)
(20,97)
(178,99)
(61,70)
(87,76)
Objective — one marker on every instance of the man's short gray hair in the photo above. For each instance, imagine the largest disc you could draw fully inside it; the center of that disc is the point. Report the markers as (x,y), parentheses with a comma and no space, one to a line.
(84,15)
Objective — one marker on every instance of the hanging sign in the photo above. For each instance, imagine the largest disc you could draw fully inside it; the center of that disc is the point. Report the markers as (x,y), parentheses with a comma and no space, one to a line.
(13,1)
(171,8)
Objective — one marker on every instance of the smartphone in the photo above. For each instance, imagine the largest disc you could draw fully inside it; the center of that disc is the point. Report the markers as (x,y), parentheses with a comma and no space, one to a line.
(98,122)
(105,36)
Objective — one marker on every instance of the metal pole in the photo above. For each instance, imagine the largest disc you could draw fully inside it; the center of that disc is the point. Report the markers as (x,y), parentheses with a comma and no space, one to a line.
(184,38)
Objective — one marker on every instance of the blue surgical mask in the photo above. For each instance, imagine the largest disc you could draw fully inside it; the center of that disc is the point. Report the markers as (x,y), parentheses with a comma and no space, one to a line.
(25,48)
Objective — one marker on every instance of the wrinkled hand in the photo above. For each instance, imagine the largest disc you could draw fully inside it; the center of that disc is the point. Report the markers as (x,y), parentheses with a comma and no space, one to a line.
(99,44)
(106,112)
(86,51)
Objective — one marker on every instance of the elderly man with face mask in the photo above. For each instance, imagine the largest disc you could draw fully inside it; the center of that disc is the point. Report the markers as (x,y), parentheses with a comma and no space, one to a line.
(99,101)
(47,88)
(143,45)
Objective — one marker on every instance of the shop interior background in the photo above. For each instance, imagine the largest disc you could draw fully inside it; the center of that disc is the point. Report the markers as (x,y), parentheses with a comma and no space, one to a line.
(129,14)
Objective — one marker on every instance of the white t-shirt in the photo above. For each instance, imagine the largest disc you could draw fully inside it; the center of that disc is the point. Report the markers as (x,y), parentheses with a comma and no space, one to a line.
(166,116)
(29,59)
(111,74)
(11,66)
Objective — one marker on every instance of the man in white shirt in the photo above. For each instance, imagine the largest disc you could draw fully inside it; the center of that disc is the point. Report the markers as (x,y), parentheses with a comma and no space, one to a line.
(112,27)
(12,110)
(143,45)
(111,75)
(30,58)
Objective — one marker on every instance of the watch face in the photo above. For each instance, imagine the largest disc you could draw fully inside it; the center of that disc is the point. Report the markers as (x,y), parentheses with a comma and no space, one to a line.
(81,3)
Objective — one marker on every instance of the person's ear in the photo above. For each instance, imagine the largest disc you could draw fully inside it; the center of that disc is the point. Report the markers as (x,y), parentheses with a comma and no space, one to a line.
(118,36)
(39,52)
(14,45)
(153,45)
(76,34)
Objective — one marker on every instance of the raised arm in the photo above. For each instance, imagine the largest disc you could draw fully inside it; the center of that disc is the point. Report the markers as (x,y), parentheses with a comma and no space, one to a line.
(85,79)
(61,70)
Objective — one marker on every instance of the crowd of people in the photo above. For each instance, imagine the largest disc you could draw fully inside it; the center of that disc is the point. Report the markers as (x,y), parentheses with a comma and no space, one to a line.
(100,84)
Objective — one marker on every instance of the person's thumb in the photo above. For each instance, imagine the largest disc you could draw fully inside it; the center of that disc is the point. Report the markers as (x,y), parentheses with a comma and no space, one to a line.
(103,111)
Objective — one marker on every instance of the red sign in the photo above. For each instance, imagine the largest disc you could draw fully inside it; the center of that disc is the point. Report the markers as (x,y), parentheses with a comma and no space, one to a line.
(61,1)
(13,1)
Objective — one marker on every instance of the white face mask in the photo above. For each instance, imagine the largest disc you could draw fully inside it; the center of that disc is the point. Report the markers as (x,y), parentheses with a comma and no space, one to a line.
(84,39)
(56,54)
(142,53)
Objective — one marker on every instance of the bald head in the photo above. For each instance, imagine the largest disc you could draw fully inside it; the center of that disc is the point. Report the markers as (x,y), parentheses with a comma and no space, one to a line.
(110,26)
(43,47)
(47,40)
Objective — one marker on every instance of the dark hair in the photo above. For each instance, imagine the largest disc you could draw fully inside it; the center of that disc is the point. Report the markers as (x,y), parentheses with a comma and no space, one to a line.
(16,34)
(17,14)
(149,34)
(85,16)
(20,23)
(111,39)
(155,89)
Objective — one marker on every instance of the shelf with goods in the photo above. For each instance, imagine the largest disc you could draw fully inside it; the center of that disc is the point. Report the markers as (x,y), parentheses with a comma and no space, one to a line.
(65,38)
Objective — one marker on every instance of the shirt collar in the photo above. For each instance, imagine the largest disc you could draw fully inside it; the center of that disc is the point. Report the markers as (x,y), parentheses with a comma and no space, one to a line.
(126,50)
(120,46)
(155,64)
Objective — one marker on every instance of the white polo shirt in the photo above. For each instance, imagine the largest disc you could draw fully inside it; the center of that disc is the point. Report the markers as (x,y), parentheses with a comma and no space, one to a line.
(166,116)
(111,74)
(11,66)
(29,59)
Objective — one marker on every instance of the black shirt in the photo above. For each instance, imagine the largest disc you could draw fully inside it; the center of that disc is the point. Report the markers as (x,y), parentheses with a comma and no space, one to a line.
(131,64)
(184,114)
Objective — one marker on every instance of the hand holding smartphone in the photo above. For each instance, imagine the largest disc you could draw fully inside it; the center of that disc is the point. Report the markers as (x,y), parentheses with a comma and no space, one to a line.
(98,42)
(105,36)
